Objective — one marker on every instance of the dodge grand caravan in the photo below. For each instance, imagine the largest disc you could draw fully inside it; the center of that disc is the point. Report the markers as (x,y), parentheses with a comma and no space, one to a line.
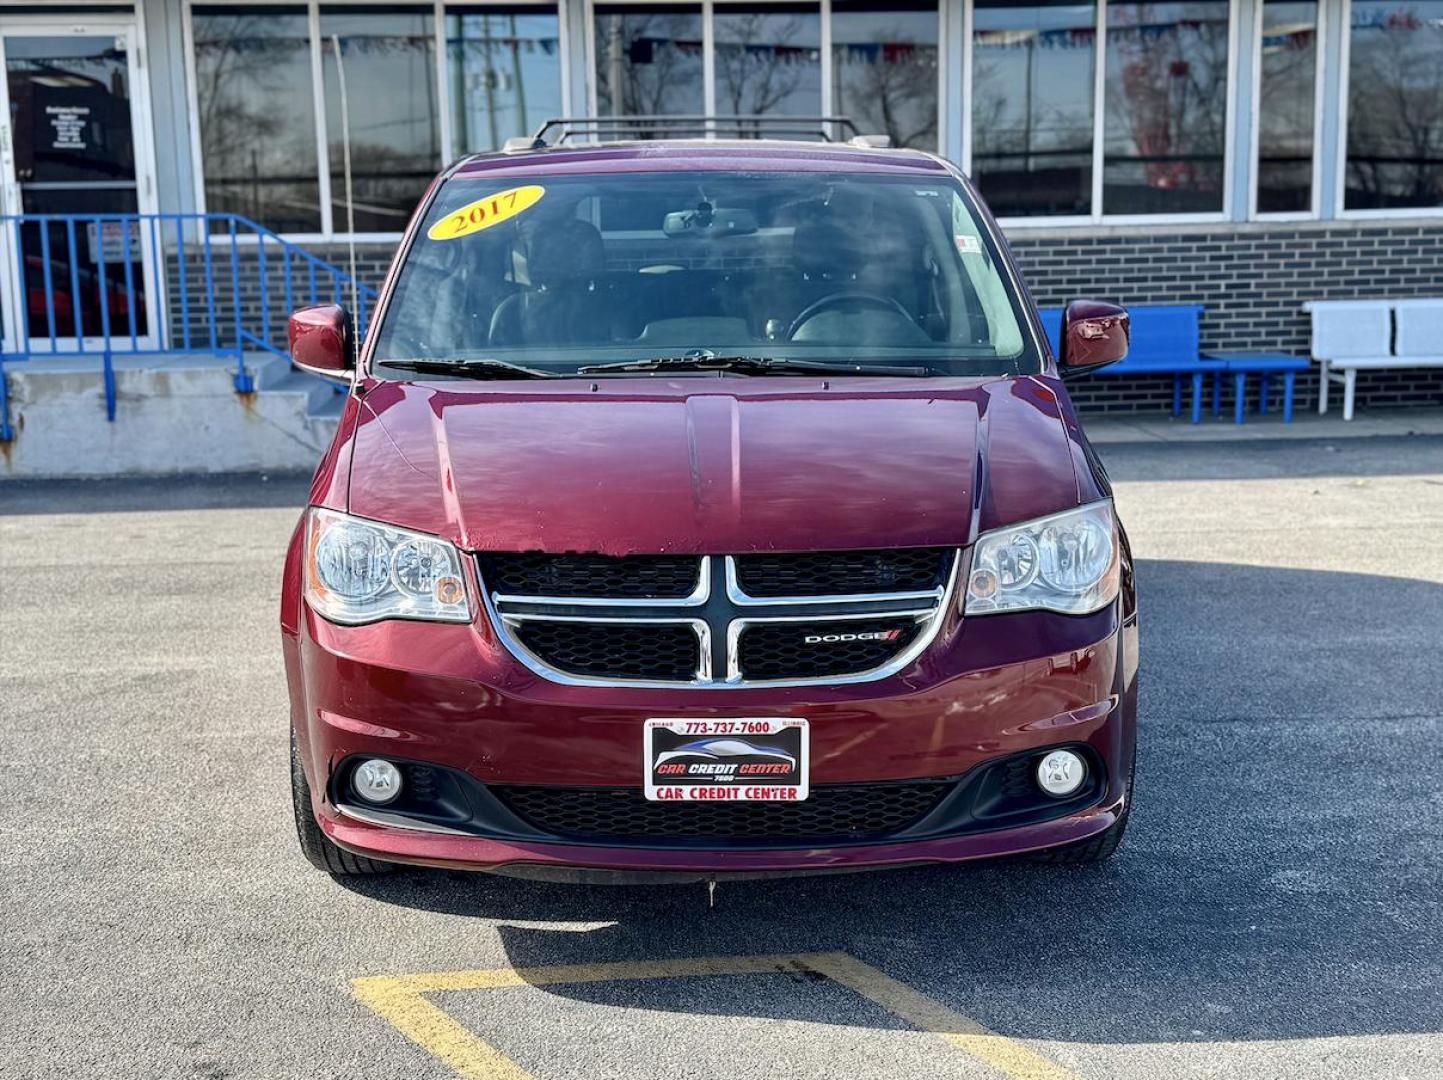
(705,508)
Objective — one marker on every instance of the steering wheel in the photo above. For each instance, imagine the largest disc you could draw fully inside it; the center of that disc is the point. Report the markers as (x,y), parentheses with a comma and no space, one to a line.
(844,297)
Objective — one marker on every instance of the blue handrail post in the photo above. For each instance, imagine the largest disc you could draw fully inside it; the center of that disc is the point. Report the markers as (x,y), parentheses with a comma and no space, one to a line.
(109,374)
(265,292)
(130,316)
(7,433)
(244,382)
(78,326)
(49,277)
(182,271)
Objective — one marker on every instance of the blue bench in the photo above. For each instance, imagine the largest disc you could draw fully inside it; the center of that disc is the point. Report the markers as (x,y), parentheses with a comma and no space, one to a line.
(1266,365)
(1165,341)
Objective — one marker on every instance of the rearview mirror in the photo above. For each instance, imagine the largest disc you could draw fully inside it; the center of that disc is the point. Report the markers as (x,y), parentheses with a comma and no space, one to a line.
(1094,334)
(320,339)
(707,222)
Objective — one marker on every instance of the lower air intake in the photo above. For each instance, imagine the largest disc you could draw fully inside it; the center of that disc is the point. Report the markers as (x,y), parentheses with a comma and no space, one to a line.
(832,812)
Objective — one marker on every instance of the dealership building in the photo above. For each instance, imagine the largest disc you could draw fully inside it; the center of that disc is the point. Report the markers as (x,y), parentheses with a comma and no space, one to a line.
(1244,155)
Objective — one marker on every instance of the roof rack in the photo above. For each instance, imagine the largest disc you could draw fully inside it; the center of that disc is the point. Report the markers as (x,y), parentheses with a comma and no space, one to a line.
(560,130)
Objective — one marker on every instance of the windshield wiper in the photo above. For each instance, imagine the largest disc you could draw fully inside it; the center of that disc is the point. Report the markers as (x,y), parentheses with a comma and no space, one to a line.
(701,360)
(471,369)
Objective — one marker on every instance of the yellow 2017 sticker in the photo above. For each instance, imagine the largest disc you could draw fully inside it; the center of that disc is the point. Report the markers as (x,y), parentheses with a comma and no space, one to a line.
(483,213)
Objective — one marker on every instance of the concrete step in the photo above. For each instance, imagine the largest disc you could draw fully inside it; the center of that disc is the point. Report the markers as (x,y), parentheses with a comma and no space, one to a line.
(280,377)
(173,414)
(330,407)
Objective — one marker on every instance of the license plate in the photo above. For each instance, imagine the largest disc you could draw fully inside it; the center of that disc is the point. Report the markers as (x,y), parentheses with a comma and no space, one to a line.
(742,760)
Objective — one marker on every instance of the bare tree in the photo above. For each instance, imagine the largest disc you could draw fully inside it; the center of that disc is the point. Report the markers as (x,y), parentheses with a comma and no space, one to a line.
(1395,139)
(1172,111)
(754,68)
(894,91)
(648,66)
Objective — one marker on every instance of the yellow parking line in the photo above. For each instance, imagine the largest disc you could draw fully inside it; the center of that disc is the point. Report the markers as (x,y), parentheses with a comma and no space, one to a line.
(1007,1056)
(401,1000)
(435,1032)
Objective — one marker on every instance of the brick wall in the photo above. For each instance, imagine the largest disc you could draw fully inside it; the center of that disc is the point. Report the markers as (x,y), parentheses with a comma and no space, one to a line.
(1253,282)
(236,273)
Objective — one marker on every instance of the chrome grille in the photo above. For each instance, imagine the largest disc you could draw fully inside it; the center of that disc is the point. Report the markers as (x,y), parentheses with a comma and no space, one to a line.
(691,621)
(626,650)
(818,649)
(626,577)
(834,573)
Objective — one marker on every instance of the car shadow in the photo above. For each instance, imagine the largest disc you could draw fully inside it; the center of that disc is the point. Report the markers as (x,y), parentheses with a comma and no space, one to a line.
(1280,879)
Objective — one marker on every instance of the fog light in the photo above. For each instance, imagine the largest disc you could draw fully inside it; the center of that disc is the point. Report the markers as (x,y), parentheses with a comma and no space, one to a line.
(377,781)
(1061,773)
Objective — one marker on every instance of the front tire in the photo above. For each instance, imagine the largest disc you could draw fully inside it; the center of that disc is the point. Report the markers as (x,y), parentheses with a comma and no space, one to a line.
(315,845)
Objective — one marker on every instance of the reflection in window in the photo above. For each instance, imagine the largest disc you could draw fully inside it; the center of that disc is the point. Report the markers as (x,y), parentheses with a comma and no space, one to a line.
(1032,120)
(1285,106)
(649,61)
(504,67)
(884,68)
(389,58)
(257,122)
(769,60)
(1166,119)
(1395,105)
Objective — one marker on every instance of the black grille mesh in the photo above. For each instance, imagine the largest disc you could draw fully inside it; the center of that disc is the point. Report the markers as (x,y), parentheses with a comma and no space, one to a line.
(837,573)
(635,650)
(601,577)
(782,651)
(831,812)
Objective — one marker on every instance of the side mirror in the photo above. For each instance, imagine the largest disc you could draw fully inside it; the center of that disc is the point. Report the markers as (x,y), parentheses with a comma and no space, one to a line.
(320,339)
(1094,334)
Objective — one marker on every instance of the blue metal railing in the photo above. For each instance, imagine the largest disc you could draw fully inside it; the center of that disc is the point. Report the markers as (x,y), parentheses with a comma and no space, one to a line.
(107,285)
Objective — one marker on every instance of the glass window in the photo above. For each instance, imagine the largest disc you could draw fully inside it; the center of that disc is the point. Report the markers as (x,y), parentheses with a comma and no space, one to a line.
(768,60)
(1032,121)
(504,67)
(257,120)
(884,68)
(388,58)
(1166,101)
(649,61)
(1288,75)
(589,269)
(1395,105)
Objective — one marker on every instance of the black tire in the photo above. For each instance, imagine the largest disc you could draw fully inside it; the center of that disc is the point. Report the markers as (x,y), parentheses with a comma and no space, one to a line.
(1095,849)
(315,846)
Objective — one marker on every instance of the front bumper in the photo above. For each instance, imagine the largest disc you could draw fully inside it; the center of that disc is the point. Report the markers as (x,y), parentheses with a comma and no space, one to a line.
(450,695)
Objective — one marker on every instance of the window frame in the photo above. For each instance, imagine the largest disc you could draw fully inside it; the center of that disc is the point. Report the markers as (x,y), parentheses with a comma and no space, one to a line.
(1320,37)
(329,232)
(1340,185)
(709,80)
(1099,120)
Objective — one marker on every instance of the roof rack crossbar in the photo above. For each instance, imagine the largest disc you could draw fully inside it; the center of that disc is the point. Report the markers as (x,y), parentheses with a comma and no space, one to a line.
(559,130)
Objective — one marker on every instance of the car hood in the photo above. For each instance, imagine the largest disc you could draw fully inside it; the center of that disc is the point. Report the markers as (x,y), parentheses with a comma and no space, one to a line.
(620,466)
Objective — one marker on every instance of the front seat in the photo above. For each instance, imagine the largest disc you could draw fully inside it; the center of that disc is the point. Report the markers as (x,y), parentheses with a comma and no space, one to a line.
(826,259)
(566,303)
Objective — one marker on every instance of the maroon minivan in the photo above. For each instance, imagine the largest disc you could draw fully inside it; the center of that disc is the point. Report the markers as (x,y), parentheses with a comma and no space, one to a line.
(704,508)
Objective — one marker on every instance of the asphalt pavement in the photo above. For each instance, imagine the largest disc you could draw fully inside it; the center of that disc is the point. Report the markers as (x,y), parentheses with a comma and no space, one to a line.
(1274,912)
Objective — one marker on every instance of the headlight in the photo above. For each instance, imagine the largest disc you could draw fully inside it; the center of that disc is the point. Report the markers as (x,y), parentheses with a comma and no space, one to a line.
(360,571)
(1064,562)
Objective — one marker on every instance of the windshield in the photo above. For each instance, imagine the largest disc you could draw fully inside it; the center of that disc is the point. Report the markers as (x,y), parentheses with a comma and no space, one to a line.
(556,274)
